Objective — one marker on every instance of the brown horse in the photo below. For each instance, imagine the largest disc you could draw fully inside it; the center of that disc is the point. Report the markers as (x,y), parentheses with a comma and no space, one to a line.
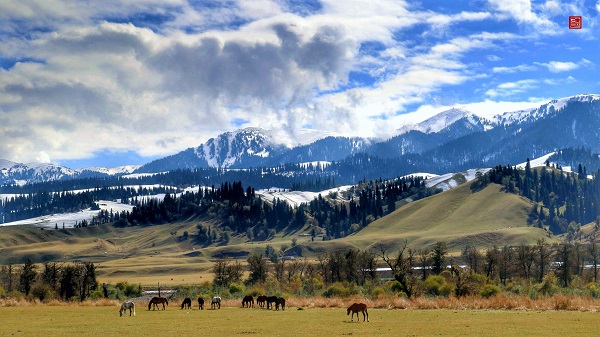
(187,302)
(280,302)
(261,300)
(200,303)
(356,308)
(247,301)
(156,301)
(270,301)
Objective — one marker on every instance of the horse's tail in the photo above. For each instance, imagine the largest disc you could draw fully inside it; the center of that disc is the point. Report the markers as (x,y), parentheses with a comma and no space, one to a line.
(166,301)
(182,304)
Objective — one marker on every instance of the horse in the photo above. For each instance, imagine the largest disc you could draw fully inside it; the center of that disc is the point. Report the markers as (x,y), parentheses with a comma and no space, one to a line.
(270,301)
(261,300)
(200,303)
(187,302)
(248,299)
(280,301)
(127,305)
(355,308)
(216,301)
(156,301)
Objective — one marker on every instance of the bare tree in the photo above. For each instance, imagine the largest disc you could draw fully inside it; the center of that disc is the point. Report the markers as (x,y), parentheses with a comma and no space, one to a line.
(526,258)
(401,268)
(543,253)
(594,253)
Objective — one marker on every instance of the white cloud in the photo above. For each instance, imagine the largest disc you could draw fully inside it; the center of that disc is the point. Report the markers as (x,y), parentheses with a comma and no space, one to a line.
(558,66)
(515,69)
(508,89)
(523,12)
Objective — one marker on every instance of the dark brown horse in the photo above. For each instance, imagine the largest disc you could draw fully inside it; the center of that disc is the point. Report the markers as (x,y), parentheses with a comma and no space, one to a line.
(156,301)
(200,303)
(270,301)
(356,308)
(280,302)
(261,300)
(247,301)
(187,302)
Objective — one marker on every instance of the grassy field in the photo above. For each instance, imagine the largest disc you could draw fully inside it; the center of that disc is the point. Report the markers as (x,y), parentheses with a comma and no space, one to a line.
(74,320)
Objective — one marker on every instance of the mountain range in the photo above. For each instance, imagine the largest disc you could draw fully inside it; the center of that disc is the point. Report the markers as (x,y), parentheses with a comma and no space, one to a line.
(452,140)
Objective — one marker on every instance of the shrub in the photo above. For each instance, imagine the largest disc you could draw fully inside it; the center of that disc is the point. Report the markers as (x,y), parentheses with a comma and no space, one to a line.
(96,295)
(337,290)
(548,285)
(235,288)
(437,285)
(489,290)
(42,291)
(377,292)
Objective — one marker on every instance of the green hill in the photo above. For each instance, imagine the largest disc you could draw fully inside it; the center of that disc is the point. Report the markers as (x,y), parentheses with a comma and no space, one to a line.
(458,216)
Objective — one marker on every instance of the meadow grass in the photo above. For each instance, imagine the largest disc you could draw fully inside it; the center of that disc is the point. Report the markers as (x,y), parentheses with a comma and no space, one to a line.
(104,320)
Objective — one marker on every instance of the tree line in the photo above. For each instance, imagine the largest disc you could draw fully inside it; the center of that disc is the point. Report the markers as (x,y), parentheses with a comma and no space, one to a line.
(242,211)
(562,201)
(66,281)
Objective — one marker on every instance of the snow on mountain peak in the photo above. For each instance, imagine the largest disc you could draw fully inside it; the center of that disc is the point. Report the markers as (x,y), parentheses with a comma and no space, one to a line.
(438,122)
(551,107)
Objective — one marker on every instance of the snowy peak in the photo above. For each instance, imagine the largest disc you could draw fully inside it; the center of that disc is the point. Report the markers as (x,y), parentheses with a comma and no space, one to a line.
(442,120)
(231,149)
(439,122)
(111,171)
(550,108)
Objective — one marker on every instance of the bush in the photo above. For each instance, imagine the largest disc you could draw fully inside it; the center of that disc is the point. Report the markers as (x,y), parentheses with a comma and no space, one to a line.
(437,285)
(235,288)
(42,291)
(337,290)
(548,285)
(379,291)
(489,290)
(96,295)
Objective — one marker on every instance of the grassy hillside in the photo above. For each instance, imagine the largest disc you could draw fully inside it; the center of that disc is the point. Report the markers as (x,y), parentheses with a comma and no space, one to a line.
(458,216)
(158,253)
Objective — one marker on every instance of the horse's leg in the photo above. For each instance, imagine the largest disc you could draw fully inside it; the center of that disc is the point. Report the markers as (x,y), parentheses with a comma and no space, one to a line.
(366,312)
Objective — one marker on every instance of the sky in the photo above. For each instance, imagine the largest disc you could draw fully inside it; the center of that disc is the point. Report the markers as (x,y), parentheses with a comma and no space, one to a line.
(108,83)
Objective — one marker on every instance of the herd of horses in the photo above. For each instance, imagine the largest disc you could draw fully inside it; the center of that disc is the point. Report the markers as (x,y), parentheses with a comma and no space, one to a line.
(247,302)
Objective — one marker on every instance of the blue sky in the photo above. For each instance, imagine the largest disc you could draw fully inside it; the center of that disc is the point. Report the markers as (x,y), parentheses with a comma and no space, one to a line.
(109,83)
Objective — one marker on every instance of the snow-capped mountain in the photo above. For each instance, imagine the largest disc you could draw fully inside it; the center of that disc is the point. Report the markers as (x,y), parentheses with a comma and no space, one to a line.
(111,171)
(551,108)
(19,173)
(454,136)
(452,140)
(438,122)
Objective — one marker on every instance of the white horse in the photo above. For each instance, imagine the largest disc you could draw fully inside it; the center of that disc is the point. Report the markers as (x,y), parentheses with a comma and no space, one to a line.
(127,305)
(216,301)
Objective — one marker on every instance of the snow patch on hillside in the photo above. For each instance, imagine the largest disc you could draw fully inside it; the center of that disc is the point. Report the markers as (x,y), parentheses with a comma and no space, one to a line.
(69,219)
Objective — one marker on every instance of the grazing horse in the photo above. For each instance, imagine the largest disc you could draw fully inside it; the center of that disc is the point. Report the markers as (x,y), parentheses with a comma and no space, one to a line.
(187,302)
(200,303)
(270,301)
(280,301)
(216,301)
(156,301)
(248,299)
(127,305)
(261,300)
(358,307)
